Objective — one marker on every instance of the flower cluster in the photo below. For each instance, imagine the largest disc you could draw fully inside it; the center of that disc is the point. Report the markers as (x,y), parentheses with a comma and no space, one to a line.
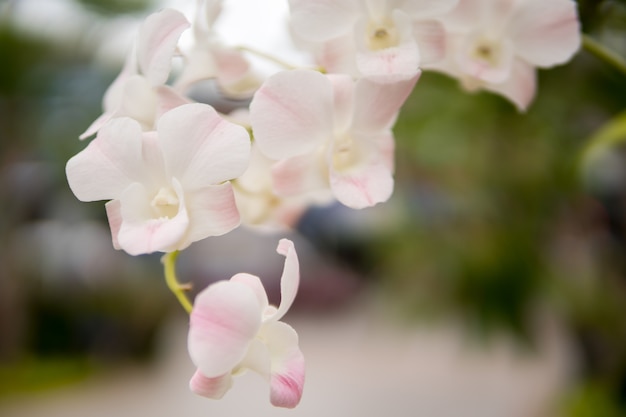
(175,171)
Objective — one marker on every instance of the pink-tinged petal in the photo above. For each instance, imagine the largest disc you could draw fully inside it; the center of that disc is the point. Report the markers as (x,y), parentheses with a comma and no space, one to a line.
(168,99)
(96,125)
(377,105)
(430,36)
(390,65)
(362,188)
(321,20)
(254,283)
(299,175)
(212,212)
(114,216)
(343,100)
(338,56)
(225,318)
(213,388)
(292,113)
(157,41)
(546,33)
(289,280)
(423,9)
(200,147)
(139,101)
(232,65)
(109,164)
(142,230)
(521,86)
(287,364)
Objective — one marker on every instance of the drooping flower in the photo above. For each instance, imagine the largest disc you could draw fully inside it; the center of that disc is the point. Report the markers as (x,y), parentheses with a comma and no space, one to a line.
(167,188)
(498,44)
(139,91)
(209,58)
(329,133)
(233,328)
(387,40)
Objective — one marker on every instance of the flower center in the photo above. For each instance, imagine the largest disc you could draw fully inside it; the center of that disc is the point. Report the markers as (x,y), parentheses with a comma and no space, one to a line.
(486,52)
(344,153)
(165,203)
(381,36)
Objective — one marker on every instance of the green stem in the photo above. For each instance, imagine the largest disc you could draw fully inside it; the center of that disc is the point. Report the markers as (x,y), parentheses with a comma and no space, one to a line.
(178,289)
(604,54)
(273,59)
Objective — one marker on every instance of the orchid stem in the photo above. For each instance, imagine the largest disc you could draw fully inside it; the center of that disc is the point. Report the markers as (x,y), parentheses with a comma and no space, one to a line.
(268,57)
(604,54)
(178,289)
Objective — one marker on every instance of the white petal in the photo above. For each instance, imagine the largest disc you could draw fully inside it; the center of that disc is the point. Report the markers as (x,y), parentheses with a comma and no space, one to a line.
(114,216)
(430,36)
(321,20)
(423,9)
(546,33)
(212,212)
(290,279)
(363,187)
(225,318)
(299,175)
(377,105)
(291,113)
(213,388)
(201,148)
(109,164)
(521,86)
(254,283)
(287,364)
(157,41)
(141,231)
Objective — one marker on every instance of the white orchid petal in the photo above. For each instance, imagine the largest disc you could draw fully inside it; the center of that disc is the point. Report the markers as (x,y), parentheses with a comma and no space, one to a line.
(287,364)
(212,212)
(109,164)
(423,9)
(114,216)
(363,187)
(291,113)
(377,105)
(521,86)
(321,20)
(546,33)
(430,36)
(225,319)
(254,283)
(157,41)
(200,147)
(141,231)
(290,279)
(299,175)
(214,388)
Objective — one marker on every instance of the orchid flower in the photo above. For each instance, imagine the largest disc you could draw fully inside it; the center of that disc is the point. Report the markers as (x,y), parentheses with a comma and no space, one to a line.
(329,133)
(387,40)
(139,91)
(167,188)
(209,58)
(497,44)
(233,328)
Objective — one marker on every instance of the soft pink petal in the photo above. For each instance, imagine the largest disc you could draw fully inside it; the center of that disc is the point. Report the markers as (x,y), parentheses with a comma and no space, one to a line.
(213,388)
(138,101)
(200,147)
(168,99)
(390,65)
(546,33)
(362,187)
(291,113)
(423,9)
(343,100)
(254,283)
(521,86)
(212,212)
(109,164)
(96,125)
(225,318)
(377,105)
(287,364)
(321,20)
(141,231)
(430,36)
(114,216)
(289,280)
(299,175)
(157,41)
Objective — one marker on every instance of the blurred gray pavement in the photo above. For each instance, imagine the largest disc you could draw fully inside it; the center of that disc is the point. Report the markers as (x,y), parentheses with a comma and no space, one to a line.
(360,362)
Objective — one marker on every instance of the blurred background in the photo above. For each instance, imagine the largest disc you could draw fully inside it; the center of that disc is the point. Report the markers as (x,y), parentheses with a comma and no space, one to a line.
(493,283)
